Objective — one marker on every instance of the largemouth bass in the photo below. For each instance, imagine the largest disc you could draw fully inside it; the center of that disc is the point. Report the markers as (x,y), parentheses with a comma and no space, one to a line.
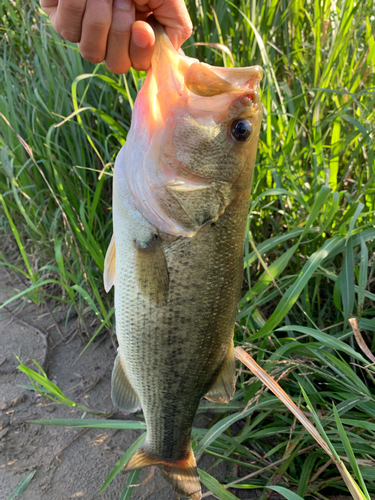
(181,193)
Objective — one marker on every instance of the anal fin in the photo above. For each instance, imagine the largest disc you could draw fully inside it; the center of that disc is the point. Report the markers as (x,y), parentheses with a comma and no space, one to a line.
(222,390)
(152,271)
(110,265)
(123,395)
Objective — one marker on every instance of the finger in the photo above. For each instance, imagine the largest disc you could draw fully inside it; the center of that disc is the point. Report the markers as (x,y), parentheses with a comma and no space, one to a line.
(141,45)
(50,8)
(141,14)
(173,15)
(117,57)
(68,19)
(95,28)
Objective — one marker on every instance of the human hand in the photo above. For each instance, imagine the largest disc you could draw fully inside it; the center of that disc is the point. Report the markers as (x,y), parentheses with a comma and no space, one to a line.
(115,31)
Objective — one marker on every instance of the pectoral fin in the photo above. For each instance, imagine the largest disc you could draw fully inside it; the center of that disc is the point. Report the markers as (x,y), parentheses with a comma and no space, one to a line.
(110,265)
(152,271)
(123,395)
(222,390)
(204,203)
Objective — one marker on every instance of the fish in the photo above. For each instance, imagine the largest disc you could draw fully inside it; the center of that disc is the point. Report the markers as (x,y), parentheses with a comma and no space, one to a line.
(181,193)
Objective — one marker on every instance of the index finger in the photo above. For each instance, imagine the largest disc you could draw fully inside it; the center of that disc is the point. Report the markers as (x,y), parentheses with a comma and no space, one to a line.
(49,7)
(68,19)
(173,15)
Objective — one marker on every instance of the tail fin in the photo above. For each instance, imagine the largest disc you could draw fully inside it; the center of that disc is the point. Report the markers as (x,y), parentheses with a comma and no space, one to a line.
(181,474)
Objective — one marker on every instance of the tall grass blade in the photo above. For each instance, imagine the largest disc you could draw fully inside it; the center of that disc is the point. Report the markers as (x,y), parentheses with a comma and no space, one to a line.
(349,452)
(130,481)
(123,460)
(215,487)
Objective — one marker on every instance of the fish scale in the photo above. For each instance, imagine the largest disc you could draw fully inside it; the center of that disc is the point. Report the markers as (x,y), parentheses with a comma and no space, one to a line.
(176,258)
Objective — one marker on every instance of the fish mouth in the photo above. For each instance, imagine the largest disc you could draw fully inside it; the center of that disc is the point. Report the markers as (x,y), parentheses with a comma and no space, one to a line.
(201,89)
(206,81)
(200,78)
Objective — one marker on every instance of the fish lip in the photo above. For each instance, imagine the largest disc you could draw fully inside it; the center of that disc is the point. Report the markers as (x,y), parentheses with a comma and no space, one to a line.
(257,70)
(256,76)
(241,78)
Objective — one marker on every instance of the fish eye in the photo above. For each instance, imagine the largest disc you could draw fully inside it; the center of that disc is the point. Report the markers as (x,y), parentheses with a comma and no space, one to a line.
(241,130)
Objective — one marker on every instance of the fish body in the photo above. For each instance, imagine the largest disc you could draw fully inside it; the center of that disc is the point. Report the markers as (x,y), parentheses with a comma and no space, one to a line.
(181,193)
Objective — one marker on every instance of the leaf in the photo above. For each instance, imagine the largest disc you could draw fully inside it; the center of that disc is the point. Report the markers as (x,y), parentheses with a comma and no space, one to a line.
(349,452)
(355,491)
(362,280)
(361,424)
(344,371)
(336,146)
(86,296)
(21,486)
(215,487)
(332,212)
(320,200)
(332,452)
(347,281)
(220,427)
(123,460)
(271,243)
(276,268)
(28,290)
(218,46)
(91,422)
(19,243)
(307,469)
(291,295)
(289,495)
(215,432)
(132,479)
(358,210)
(277,192)
(325,339)
(42,379)
(245,358)
(104,322)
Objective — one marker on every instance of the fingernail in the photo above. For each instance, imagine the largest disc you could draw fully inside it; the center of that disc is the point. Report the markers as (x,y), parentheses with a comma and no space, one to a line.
(123,4)
(140,38)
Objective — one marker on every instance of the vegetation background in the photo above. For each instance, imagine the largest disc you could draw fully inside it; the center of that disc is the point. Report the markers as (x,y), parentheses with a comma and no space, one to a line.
(309,254)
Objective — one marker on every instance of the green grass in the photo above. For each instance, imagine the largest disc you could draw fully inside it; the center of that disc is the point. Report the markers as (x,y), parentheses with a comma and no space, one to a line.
(309,254)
